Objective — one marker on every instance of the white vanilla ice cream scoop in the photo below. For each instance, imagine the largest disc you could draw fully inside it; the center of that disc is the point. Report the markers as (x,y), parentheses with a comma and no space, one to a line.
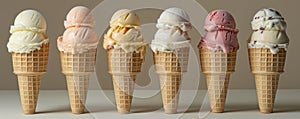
(269,31)
(173,26)
(28,32)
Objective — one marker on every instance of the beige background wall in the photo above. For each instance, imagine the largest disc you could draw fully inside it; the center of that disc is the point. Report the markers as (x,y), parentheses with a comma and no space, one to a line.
(55,11)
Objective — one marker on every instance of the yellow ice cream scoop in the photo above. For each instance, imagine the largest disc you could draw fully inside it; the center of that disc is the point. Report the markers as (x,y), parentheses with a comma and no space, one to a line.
(125,18)
(125,32)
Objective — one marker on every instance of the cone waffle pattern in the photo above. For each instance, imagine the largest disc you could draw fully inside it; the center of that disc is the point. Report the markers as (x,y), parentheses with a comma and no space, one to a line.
(266,88)
(29,87)
(217,62)
(170,67)
(217,66)
(217,88)
(170,88)
(123,87)
(78,63)
(31,62)
(266,68)
(121,62)
(30,68)
(172,62)
(78,88)
(263,61)
(78,68)
(124,68)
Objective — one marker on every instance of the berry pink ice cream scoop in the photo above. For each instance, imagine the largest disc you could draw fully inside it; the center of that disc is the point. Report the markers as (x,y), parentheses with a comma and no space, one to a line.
(221,32)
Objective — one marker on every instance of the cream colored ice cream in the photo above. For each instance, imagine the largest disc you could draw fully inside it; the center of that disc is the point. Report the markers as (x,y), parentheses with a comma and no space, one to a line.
(269,31)
(80,35)
(28,32)
(173,26)
(124,32)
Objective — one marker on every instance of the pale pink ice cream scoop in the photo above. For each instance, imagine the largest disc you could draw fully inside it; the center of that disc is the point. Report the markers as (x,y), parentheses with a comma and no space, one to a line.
(79,16)
(221,32)
(80,35)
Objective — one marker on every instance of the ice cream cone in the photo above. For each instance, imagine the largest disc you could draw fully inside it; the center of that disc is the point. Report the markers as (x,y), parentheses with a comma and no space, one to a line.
(78,50)
(124,67)
(170,68)
(29,67)
(29,87)
(170,88)
(266,68)
(78,68)
(217,87)
(266,88)
(78,88)
(123,88)
(217,66)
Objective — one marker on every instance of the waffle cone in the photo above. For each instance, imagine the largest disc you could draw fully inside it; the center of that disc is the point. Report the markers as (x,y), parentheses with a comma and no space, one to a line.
(77,69)
(29,67)
(124,67)
(266,68)
(217,85)
(217,66)
(170,67)
(123,89)
(29,87)
(266,88)
(77,89)
(170,88)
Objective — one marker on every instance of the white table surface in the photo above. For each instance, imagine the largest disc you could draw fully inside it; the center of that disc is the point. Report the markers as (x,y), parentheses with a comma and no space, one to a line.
(241,104)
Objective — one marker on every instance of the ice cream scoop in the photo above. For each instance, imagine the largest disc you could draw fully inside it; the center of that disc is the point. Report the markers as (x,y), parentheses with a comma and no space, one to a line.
(269,31)
(124,32)
(174,16)
(79,16)
(125,17)
(28,32)
(221,32)
(80,35)
(173,26)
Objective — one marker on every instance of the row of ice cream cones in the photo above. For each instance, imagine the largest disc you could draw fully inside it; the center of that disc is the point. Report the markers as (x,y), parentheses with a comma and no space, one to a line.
(126,51)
